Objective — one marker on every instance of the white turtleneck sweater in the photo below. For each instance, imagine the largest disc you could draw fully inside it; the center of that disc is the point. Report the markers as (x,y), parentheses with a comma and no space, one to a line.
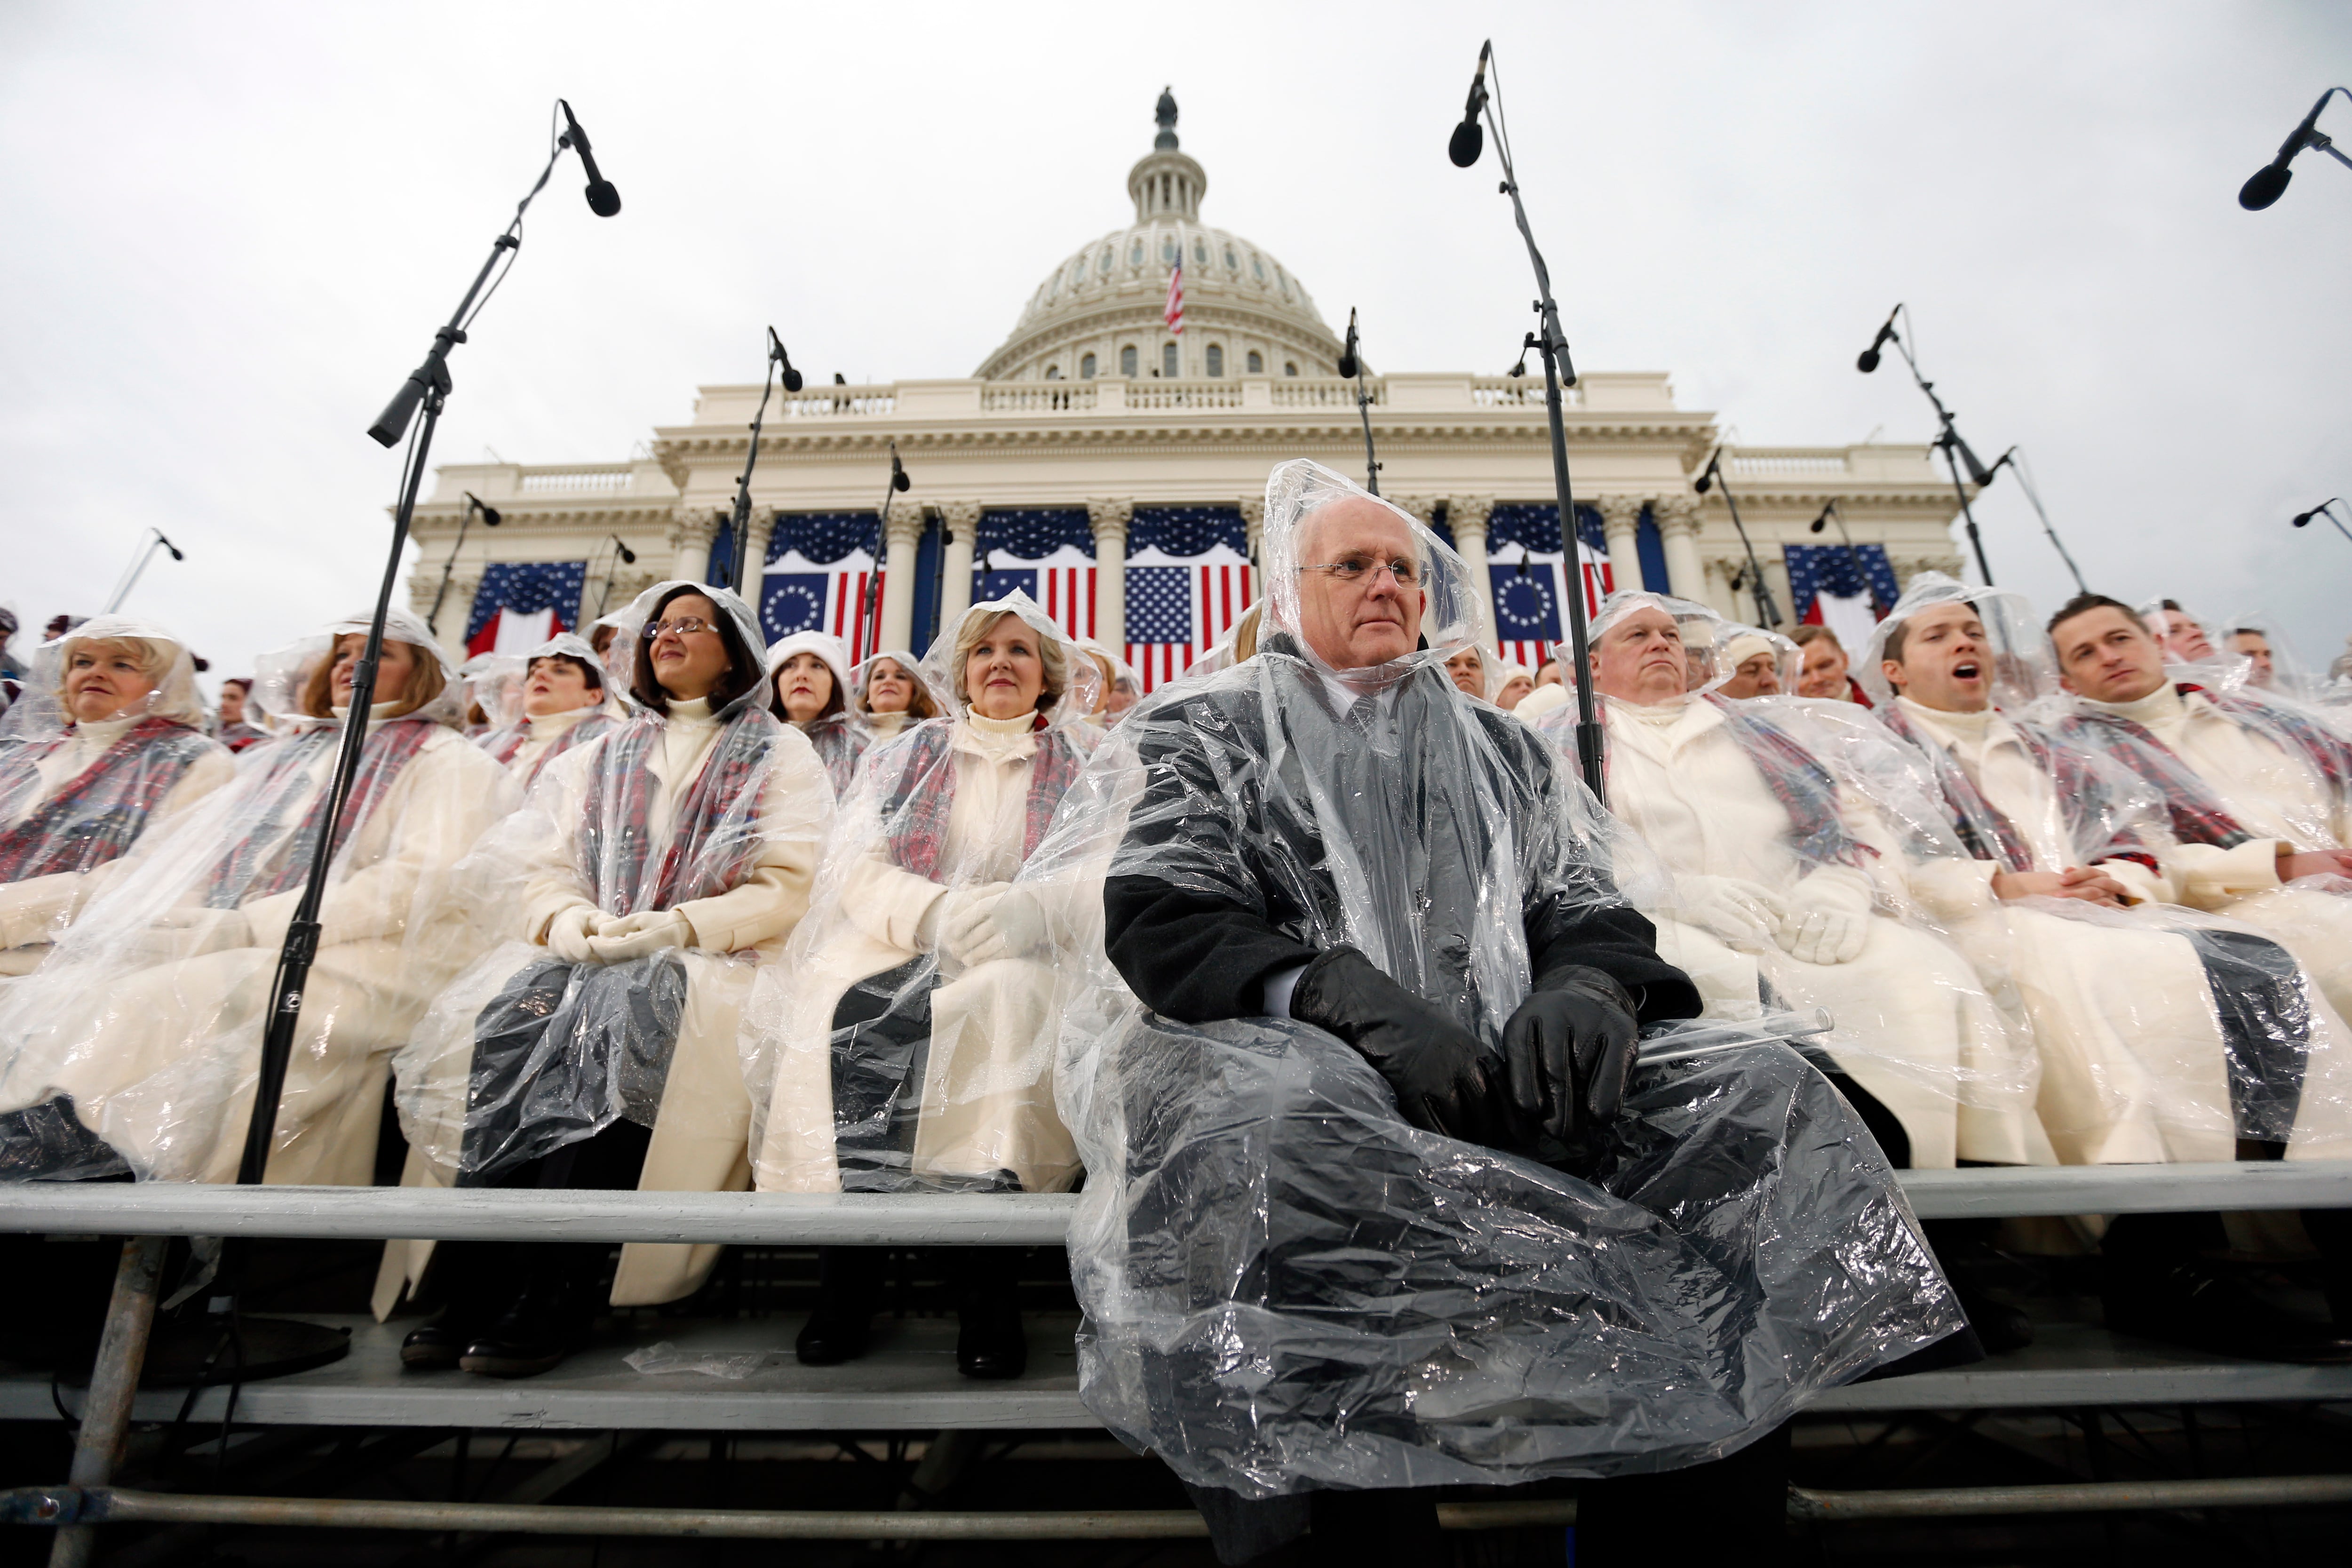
(1996,761)
(542,730)
(2272,796)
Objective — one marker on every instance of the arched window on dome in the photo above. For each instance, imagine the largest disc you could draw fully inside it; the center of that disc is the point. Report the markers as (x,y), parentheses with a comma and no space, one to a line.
(1168,247)
(1126,362)
(1168,361)
(1258,266)
(1107,259)
(1200,252)
(1290,367)
(1053,373)
(1256,363)
(1232,262)
(1086,367)
(1216,358)
(1135,254)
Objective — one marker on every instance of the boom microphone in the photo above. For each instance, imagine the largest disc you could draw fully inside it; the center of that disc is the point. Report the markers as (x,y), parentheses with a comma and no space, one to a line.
(1868,360)
(1469,138)
(1347,367)
(776,352)
(898,479)
(2267,184)
(604,199)
(177,553)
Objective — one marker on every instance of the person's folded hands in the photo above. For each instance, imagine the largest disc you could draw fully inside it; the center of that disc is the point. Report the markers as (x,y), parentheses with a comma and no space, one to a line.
(635,936)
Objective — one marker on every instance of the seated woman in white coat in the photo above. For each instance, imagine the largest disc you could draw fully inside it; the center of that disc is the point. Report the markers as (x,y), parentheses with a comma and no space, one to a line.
(111,746)
(148,1017)
(906,1041)
(652,871)
(887,693)
(810,672)
(1783,880)
(561,703)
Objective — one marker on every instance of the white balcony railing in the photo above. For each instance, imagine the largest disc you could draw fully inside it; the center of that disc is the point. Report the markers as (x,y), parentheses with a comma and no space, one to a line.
(838,401)
(1790,466)
(1039,397)
(1517,392)
(602,479)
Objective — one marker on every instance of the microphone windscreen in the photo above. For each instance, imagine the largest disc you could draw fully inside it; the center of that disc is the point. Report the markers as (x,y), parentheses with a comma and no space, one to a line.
(792,379)
(1347,367)
(1868,360)
(604,199)
(2266,186)
(900,482)
(1469,140)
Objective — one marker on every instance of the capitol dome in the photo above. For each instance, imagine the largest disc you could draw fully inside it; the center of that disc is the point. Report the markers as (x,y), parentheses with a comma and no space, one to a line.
(1101,312)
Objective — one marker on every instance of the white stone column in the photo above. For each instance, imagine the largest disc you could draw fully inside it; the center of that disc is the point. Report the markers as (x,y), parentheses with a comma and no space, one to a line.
(1678,525)
(1111,518)
(1253,528)
(1621,524)
(959,519)
(1467,516)
(899,578)
(761,529)
(691,529)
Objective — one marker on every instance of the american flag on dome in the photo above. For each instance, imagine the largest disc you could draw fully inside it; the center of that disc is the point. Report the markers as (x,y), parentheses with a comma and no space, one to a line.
(1047,552)
(820,575)
(1524,564)
(1845,588)
(520,604)
(1175,314)
(1188,581)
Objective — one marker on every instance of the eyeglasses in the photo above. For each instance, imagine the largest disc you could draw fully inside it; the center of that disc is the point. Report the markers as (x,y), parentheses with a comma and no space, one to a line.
(1356,568)
(685,627)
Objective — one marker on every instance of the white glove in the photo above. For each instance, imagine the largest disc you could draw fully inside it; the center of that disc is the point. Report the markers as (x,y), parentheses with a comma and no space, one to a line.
(635,936)
(1823,933)
(1011,926)
(568,932)
(1733,908)
(961,919)
(192,933)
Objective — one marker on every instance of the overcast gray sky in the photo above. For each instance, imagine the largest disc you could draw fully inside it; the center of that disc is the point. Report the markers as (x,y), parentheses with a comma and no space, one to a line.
(231,229)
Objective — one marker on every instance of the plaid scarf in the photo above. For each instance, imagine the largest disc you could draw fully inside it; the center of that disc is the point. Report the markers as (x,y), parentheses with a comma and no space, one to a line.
(258,865)
(2326,751)
(2199,815)
(95,817)
(505,745)
(839,743)
(1802,784)
(918,809)
(1988,833)
(1985,830)
(714,837)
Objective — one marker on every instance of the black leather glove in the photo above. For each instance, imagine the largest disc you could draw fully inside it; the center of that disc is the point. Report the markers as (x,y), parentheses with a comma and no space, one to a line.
(1435,1065)
(1569,1049)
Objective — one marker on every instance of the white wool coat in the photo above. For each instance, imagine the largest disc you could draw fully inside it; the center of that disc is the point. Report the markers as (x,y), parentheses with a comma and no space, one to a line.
(2134,1065)
(1915,1024)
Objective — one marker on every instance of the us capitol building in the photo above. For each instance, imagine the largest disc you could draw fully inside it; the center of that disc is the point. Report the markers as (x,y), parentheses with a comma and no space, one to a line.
(1116,469)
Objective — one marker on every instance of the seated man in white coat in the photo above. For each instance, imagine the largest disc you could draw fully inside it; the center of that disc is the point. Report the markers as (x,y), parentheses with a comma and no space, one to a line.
(2163,1035)
(2258,789)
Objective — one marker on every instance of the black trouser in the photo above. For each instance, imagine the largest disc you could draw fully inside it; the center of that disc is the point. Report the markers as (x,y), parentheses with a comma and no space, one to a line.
(480,1280)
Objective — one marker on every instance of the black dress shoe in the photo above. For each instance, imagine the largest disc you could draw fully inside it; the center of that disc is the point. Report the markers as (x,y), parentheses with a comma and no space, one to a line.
(545,1324)
(435,1347)
(832,1336)
(2206,1307)
(988,1342)
(848,1278)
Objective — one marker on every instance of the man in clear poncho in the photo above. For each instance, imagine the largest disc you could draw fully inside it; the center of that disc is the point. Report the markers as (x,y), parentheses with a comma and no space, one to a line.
(1376,1195)
(2258,788)
(147,1019)
(111,747)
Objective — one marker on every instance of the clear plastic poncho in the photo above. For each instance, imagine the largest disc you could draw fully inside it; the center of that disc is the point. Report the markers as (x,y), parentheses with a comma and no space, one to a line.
(838,737)
(524,744)
(1777,838)
(141,1034)
(1290,1287)
(633,897)
(907,1040)
(2162,1033)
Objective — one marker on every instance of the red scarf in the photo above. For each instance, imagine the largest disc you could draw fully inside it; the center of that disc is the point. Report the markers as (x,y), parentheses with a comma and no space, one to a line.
(104,807)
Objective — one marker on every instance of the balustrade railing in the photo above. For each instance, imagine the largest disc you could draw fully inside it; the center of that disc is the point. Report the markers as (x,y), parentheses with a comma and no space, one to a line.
(1517,392)
(1040,398)
(1790,465)
(608,479)
(838,401)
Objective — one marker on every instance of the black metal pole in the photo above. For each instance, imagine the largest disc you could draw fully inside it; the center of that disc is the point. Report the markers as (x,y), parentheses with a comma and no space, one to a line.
(433,616)
(1956,451)
(741,526)
(1558,371)
(873,634)
(1763,592)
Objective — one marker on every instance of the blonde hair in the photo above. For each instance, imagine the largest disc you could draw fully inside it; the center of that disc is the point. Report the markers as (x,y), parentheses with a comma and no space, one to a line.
(918,696)
(425,680)
(156,658)
(1049,652)
(1245,634)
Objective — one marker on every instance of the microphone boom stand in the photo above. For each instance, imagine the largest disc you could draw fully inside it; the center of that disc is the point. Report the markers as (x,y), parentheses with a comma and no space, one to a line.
(872,633)
(739,530)
(1713,474)
(1956,452)
(1559,370)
